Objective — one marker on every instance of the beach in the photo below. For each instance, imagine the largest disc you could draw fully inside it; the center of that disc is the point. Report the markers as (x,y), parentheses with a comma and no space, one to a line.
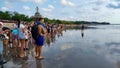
(90,48)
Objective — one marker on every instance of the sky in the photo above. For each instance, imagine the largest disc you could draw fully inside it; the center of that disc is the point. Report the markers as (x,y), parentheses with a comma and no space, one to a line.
(71,10)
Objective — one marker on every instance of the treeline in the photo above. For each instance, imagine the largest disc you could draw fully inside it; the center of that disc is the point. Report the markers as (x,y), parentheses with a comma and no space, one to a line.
(15,15)
(74,22)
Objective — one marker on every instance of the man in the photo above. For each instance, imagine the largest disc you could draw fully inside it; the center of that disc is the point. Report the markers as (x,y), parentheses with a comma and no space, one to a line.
(40,40)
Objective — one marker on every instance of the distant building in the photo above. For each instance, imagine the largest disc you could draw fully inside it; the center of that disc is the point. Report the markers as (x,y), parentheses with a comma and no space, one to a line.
(37,14)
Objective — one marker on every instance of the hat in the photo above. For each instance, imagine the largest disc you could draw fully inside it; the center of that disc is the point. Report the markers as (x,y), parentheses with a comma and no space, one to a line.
(1,23)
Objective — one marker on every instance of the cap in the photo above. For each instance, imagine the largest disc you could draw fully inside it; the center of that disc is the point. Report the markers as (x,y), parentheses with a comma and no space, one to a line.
(1,23)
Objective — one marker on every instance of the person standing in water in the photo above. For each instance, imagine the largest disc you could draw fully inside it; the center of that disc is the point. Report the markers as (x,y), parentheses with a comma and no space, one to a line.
(27,36)
(40,40)
(15,36)
(82,30)
(21,38)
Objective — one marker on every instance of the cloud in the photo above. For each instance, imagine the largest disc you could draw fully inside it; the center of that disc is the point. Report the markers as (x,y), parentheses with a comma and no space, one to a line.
(35,1)
(95,9)
(46,9)
(64,13)
(12,0)
(26,0)
(4,8)
(96,3)
(8,4)
(67,3)
(99,2)
(71,17)
(49,9)
(54,1)
(117,0)
(39,1)
(26,8)
(114,5)
(102,1)
(47,15)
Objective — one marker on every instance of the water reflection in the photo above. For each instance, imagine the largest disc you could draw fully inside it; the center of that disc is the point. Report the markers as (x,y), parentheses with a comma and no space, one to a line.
(2,57)
(10,56)
(82,32)
(38,64)
(92,52)
(101,50)
(51,37)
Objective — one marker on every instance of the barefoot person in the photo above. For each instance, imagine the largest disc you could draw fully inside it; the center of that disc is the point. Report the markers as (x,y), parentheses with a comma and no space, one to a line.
(40,39)
(21,37)
(27,36)
(15,36)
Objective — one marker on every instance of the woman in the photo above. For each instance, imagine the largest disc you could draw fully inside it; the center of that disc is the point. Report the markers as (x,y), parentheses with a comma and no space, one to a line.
(21,37)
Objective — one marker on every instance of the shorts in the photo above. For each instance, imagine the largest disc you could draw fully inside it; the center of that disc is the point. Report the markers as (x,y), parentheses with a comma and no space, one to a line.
(21,37)
(14,37)
(40,41)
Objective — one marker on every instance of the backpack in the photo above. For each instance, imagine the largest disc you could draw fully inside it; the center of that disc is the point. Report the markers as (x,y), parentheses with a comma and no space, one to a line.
(34,31)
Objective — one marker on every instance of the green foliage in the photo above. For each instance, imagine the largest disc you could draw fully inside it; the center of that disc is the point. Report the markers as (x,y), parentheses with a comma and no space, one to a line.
(15,15)
(5,15)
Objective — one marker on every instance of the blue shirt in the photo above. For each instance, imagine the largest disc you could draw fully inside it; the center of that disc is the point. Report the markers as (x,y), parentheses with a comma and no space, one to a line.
(41,24)
(15,32)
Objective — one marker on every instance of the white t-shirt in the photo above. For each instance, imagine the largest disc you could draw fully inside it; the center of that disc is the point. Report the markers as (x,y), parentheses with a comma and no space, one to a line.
(21,34)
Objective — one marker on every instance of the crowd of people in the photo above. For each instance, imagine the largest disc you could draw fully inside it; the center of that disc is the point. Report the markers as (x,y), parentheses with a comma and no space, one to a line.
(20,36)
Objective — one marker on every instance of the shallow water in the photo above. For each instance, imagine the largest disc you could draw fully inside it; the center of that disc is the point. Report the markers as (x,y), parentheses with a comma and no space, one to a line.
(90,48)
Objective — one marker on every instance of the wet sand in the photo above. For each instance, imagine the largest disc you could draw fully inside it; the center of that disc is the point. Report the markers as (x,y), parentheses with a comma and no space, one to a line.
(91,48)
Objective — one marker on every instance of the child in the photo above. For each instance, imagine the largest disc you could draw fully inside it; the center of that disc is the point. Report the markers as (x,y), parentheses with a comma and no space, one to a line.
(15,36)
(27,35)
